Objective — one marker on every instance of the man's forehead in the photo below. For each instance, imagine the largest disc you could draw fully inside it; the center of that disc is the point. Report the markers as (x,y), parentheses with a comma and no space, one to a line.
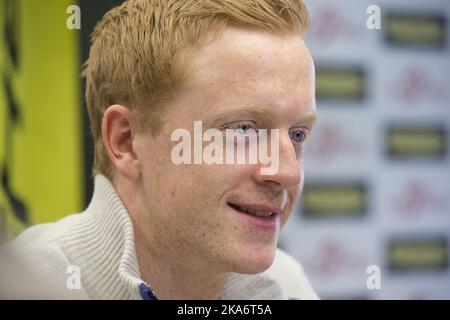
(240,55)
(239,73)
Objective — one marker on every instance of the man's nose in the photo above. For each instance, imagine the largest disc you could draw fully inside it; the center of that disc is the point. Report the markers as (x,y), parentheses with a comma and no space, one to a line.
(289,171)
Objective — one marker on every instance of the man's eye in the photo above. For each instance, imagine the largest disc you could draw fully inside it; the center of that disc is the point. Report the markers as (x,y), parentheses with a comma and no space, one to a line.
(298,135)
(241,128)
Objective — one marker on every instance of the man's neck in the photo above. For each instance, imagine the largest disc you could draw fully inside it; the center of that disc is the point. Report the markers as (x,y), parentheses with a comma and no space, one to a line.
(171,272)
(173,276)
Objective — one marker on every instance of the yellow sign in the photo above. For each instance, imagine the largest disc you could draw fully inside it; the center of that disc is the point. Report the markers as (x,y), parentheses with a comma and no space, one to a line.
(340,83)
(416,142)
(415,30)
(41,155)
(416,254)
(334,200)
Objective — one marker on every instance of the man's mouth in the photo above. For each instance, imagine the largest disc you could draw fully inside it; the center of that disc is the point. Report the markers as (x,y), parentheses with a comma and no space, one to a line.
(253,211)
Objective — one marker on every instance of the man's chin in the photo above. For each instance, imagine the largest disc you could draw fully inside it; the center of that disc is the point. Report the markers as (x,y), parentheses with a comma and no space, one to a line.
(254,263)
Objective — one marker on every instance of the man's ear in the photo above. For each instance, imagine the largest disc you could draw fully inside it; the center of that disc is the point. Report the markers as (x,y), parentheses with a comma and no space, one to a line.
(118,140)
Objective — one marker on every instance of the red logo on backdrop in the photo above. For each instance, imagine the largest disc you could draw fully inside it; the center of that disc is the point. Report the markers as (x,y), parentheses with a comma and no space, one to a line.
(330,141)
(417,198)
(331,258)
(330,25)
(416,85)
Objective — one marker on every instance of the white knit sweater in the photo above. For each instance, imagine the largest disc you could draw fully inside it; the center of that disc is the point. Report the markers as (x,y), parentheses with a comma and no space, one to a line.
(100,241)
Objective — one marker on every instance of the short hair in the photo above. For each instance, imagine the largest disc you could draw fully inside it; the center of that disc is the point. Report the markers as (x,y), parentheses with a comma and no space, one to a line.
(140,52)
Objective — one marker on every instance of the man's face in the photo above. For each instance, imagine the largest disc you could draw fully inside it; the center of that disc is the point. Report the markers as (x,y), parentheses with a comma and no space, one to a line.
(244,79)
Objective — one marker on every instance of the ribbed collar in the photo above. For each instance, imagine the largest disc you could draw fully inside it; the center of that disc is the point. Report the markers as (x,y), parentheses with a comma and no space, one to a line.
(102,245)
(101,242)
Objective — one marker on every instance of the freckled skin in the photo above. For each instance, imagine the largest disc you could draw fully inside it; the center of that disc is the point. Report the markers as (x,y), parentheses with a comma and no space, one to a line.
(187,238)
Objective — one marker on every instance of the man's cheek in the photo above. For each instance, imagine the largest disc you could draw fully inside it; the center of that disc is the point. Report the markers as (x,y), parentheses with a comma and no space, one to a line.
(292,200)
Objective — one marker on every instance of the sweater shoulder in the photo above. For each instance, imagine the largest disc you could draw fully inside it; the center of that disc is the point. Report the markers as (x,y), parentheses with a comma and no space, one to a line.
(289,274)
(40,266)
(41,235)
(284,279)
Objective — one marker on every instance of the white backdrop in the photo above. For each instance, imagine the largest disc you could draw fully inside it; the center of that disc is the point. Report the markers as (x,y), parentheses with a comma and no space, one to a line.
(406,199)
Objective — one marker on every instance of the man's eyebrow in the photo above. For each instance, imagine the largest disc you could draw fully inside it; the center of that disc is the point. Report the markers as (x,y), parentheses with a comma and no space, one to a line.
(310,116)
(254,112)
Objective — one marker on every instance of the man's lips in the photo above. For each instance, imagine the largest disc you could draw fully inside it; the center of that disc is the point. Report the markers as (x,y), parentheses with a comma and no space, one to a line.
(259,210)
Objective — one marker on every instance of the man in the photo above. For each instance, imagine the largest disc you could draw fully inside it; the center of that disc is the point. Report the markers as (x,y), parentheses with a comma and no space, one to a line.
(160,229)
